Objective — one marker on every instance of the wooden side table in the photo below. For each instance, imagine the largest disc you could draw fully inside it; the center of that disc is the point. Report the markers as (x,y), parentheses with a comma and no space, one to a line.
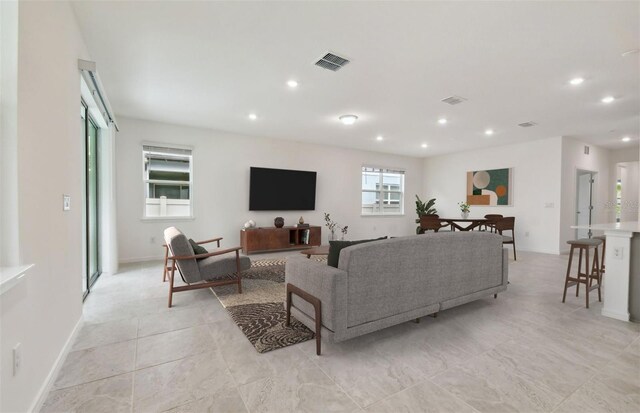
(321,250)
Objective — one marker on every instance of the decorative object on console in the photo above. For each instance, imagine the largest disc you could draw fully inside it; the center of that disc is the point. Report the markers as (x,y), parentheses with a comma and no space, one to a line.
(278,222)
(329,223)
(424,208)
(250,224)
(301,220)
(464,209)
(490,187)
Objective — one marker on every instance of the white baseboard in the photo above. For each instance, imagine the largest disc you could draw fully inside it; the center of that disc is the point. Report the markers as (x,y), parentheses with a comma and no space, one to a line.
(615,314)
(141,259)
(48,383)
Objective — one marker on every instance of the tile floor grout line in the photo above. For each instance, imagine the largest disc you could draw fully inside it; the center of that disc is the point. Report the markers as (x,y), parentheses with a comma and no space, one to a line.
(313,360)
(133,374)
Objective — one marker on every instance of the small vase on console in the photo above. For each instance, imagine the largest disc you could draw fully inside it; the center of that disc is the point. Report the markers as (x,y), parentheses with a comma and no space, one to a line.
(465,215)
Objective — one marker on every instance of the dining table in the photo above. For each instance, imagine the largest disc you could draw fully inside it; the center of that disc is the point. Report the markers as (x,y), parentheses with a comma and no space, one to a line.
(464,224)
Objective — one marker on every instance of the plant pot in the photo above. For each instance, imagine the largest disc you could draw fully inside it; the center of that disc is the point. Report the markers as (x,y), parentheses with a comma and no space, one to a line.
(464,215)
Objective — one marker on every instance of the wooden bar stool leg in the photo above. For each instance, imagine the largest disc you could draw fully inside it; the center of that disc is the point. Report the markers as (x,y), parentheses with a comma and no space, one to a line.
(586,280)
(566,280)
(579,271)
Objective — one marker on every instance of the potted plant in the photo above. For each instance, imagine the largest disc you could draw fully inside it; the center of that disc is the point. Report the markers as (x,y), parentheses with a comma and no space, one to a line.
(464,209)
(424,208)
(332,225)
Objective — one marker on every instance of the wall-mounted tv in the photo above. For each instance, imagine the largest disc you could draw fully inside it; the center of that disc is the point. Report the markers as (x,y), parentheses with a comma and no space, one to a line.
(282,190)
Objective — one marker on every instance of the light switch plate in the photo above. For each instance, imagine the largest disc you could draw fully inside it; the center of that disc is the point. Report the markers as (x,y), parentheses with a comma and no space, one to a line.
(66,202)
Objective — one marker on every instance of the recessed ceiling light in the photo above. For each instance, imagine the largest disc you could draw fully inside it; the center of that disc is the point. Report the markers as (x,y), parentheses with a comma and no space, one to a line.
(576,81)
(348,119)
(253,116)
(488,132)
(626,139)
(424,145)
(608,99)
(442,121)
(292,84)
(379,138)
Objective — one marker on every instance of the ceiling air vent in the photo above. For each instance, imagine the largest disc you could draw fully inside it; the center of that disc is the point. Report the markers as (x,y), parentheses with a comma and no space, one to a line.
(332,62)
(527,124)
(453,100)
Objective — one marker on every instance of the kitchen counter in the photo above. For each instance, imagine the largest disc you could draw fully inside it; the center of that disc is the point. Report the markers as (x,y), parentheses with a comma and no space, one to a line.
(621,280)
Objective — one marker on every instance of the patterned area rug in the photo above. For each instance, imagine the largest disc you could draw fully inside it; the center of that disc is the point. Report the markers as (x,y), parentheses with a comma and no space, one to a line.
(259,310)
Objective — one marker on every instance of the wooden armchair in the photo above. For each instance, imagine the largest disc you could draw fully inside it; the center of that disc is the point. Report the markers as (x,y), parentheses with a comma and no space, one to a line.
(507,224)
(431,223)
(200,270)
(492,219)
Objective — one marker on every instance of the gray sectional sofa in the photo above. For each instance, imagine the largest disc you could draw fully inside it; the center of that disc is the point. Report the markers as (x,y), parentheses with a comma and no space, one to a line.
(383,283)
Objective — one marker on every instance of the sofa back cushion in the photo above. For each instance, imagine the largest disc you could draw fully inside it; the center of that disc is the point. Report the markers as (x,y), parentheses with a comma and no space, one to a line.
(179,246)
(394,276)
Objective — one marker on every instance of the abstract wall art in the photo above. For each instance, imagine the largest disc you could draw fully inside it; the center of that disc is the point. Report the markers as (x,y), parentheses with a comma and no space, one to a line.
(491,187)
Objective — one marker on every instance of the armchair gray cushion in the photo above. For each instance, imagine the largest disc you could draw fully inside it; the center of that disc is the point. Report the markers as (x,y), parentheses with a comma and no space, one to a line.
(179,246)
(212,268)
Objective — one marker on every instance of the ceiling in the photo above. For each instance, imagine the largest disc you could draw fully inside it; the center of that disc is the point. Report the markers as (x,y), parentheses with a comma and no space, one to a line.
(210,64)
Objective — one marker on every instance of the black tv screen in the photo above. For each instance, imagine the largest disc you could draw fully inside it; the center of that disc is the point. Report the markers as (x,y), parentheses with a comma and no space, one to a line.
(282,190)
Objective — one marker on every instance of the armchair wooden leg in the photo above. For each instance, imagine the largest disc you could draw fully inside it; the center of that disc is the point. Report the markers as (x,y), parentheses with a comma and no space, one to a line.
(166,259)
(171,275)
(317,306)
(239,273)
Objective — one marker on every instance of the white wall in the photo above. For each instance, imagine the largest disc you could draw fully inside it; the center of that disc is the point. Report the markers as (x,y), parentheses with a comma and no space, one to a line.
(536,172)
(8,134)
(573,159)
(629,158)
(42,311)
(627,172)
(221,186)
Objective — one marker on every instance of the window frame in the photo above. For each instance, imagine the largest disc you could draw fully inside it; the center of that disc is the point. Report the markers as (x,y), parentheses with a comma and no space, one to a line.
(383,194)
(145,183)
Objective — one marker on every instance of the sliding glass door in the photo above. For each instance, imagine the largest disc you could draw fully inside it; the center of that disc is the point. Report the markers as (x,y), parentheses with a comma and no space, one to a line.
(90,130)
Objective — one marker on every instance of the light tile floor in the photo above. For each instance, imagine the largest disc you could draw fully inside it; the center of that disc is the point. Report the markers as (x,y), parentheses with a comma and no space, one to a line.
(525,351)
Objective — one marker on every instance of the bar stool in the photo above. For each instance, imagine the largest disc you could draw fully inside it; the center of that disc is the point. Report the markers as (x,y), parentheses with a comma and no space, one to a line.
(590,274)
(604,247)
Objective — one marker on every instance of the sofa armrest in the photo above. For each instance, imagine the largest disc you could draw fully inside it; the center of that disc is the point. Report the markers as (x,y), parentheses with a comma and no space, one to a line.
(326,283)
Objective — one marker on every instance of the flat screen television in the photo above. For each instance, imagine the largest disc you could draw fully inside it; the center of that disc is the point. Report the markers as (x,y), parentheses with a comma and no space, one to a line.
(282,190)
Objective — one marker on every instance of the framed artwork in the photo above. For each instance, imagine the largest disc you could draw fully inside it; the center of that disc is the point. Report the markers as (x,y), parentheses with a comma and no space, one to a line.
(491,187)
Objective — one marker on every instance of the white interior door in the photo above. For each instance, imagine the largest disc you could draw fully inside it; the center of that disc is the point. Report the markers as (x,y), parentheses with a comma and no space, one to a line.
(583,204)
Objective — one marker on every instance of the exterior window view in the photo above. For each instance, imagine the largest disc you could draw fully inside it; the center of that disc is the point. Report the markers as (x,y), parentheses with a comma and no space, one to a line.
(167,181)
(382,191)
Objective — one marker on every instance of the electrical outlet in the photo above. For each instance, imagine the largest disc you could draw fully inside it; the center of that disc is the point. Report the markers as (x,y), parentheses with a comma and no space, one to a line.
(66,202)
(152,240)
(17,359)
(617,253)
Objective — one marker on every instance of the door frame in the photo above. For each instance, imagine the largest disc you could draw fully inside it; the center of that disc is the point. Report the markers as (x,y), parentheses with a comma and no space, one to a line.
(90,278)
(592,190)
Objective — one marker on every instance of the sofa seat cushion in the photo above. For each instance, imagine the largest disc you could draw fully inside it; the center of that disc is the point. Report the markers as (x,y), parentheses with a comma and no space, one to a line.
(336,246)
(220,266)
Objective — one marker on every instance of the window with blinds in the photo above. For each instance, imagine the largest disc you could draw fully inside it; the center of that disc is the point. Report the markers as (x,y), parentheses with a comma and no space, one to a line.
(382,191)
(168,181)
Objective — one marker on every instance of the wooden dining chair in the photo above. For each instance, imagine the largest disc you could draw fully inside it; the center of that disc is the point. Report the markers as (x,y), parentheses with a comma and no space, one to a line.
(507,224)
(431,223)
(490,225)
